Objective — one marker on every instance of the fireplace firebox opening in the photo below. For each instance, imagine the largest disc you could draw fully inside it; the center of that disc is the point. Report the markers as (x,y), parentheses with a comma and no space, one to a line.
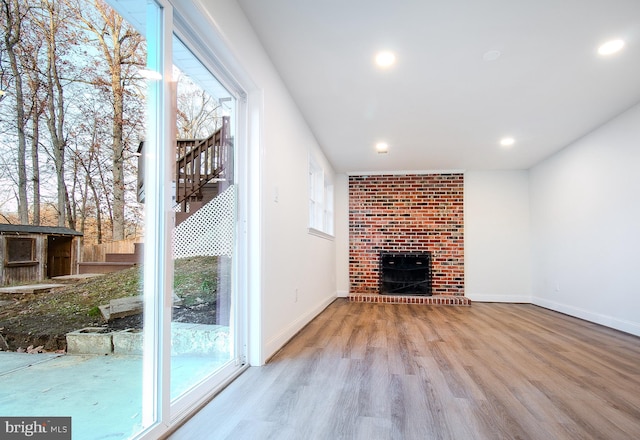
(405,273)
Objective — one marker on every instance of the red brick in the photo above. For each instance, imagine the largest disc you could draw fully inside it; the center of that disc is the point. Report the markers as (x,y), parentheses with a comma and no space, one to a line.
(410,213)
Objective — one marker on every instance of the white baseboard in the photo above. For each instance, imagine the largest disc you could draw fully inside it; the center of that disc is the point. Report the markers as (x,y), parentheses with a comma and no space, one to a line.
(342,293)
(597,318)
(277,342)
(479,297)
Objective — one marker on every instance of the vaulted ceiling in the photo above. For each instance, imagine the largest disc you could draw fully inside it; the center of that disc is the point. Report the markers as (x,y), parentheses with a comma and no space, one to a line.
(467,74)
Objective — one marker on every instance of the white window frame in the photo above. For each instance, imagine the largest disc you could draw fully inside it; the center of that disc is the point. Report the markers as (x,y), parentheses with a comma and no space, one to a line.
(321,212)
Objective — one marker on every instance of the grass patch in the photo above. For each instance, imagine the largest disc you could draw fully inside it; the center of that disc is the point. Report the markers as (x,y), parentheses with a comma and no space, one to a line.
(196,279)
(75,306)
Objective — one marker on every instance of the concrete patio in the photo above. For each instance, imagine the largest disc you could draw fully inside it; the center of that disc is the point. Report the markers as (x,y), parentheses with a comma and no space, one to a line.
(102,394)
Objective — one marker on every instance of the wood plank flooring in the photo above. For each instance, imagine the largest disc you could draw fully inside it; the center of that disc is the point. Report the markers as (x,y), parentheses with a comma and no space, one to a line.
(387,371)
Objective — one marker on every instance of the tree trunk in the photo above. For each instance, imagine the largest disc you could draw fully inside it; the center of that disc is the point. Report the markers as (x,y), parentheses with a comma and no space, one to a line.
(83,207)
(115,22)
(118,151)
(35,164)
(11,12)
(55,120)
(70,216)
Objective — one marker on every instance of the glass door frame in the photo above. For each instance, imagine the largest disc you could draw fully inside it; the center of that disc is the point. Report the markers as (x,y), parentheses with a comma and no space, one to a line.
(183,405)
(156,279)
(159,414)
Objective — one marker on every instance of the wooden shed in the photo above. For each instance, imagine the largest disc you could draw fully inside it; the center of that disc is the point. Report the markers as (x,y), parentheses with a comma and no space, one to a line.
(34,253)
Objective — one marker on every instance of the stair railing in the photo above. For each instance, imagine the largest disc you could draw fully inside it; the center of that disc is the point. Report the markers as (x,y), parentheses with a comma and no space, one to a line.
(198,162)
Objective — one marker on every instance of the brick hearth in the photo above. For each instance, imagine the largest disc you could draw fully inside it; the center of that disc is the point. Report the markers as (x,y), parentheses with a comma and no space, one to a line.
(437,300)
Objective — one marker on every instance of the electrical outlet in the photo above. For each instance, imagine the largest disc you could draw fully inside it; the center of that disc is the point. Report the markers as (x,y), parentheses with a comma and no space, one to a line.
(295,298)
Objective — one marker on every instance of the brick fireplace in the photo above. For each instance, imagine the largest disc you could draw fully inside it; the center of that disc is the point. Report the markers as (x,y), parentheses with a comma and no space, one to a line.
(407,214)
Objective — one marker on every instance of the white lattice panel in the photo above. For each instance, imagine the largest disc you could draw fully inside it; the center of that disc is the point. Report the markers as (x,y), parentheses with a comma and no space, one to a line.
(210,230)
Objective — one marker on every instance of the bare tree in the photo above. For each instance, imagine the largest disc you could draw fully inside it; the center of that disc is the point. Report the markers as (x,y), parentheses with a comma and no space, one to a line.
(197,112)
(88,162)
(120,45)
(29,58)
(51,24)
(69,93)
(12,16)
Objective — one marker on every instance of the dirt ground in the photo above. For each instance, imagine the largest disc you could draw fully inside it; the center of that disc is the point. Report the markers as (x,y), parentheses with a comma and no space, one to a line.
(43,319)
(44,330)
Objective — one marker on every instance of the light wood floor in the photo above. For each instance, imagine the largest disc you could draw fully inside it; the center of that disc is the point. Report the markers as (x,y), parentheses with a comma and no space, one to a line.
(383,371)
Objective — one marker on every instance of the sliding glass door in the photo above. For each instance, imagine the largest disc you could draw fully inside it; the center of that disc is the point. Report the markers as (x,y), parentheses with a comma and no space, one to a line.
(120,141)
(203,324)
(193,339)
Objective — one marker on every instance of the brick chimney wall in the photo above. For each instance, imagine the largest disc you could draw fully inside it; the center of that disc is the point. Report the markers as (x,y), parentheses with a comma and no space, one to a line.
(407,213)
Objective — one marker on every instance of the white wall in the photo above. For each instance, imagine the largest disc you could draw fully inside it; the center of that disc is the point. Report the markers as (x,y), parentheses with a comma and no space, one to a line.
(584,213)
(297,270)
(585,205)
(497,236)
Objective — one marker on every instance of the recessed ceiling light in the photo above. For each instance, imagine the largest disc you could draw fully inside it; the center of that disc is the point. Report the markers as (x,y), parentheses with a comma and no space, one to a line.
(382,148)
(385,59)
(491,55)
(507,141)
(611,47)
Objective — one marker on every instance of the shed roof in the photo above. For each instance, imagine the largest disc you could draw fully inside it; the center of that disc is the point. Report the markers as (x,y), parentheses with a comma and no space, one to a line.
(29,229)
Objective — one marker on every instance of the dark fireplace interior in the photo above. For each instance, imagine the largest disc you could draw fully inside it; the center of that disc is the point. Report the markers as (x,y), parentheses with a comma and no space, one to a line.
(405,274)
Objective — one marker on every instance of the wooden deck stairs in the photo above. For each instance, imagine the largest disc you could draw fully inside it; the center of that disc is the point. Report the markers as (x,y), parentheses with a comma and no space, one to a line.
(203,166)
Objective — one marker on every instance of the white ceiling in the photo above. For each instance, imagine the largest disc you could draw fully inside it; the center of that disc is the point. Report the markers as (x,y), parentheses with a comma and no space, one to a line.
(442,106)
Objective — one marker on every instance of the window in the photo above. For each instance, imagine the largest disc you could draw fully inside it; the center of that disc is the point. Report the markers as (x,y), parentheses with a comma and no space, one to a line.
(320,200)
(20,250)
(189,340)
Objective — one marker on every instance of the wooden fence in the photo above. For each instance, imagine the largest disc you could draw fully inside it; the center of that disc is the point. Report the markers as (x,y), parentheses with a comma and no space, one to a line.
(97,252)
